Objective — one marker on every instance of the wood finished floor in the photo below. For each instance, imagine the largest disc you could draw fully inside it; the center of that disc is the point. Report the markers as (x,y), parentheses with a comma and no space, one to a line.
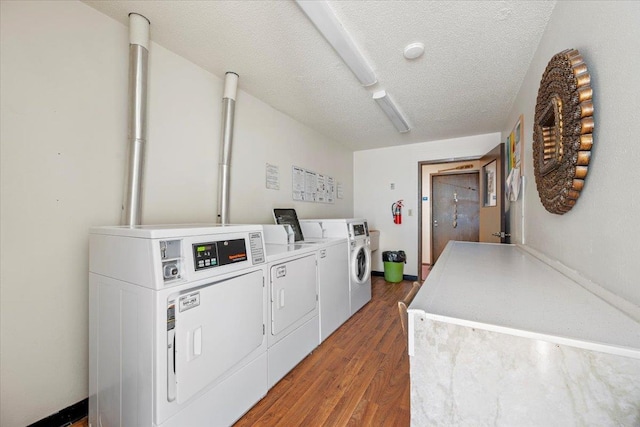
(359,376)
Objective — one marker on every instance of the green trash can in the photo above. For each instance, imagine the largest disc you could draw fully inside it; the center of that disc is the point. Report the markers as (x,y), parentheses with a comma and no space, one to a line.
(394,262)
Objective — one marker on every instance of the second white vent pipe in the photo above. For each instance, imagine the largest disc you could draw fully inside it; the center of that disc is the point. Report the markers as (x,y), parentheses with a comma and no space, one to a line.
(228,112)
(138,69)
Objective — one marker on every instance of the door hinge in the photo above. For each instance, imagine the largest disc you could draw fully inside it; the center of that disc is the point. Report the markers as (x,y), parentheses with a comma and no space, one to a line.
(264,328)
(501,234)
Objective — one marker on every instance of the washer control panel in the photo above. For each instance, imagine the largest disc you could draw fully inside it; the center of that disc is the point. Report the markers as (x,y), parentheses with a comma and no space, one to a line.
(359,230)
(223,252)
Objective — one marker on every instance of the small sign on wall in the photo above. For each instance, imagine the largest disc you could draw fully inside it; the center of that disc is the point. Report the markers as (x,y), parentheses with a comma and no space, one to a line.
(298,183)
(272,177)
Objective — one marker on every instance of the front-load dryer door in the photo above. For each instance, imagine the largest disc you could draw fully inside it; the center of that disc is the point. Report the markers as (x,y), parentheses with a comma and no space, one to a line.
(293,292)
(360,264)
(216,327)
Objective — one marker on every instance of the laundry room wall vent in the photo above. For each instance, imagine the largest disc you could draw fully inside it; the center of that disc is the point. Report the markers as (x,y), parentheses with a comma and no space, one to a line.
(228,112)
(138,70)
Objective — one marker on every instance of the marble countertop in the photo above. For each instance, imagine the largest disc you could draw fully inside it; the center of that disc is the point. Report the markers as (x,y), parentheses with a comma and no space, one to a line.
(503,288)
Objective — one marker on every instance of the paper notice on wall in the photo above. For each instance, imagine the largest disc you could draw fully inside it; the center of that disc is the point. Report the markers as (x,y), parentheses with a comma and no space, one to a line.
(330,189)
(320,188)
(310,186)
(512,186)
(298,183)
(340,191)
(272,177)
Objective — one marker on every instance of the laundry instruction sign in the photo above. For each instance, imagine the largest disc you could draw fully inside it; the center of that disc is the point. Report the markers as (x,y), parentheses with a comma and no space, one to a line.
(272,177)
(310,186)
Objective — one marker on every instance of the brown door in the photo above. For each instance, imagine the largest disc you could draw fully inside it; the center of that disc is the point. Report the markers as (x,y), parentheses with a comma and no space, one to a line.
(492,204)
(454,210)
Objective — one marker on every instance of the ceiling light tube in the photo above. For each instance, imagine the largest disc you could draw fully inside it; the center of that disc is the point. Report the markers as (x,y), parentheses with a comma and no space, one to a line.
(325,20)
(391,111)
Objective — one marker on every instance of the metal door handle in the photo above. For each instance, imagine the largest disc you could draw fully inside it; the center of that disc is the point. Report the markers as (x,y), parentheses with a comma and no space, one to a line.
(501,234)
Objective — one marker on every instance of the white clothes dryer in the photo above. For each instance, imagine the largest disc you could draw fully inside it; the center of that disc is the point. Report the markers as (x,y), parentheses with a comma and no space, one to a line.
(177,319)
(333,277)
(359,254)
(292,329)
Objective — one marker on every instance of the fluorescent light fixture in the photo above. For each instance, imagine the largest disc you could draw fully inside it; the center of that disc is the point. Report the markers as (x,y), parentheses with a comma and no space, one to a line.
(391,111)
(325,20)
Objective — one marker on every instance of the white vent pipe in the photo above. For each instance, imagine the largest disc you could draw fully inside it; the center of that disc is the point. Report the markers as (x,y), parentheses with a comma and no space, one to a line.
(228,111)
(138,67)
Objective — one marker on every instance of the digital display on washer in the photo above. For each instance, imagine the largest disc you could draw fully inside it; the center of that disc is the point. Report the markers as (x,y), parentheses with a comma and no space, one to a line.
(214,254)
(358,230)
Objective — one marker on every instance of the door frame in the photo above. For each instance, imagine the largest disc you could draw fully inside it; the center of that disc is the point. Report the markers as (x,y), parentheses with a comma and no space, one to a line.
(502,205)
(424,163)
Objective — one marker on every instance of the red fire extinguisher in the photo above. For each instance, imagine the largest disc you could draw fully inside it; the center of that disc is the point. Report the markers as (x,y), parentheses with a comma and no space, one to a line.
(396,211)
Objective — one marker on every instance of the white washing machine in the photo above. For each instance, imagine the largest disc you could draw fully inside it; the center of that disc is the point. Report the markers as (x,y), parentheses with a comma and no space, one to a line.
(333,275)
(359,253)
(292,330)
(177,329)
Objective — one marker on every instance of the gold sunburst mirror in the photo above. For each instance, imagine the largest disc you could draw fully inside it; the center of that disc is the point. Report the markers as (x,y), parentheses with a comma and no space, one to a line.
(563,131)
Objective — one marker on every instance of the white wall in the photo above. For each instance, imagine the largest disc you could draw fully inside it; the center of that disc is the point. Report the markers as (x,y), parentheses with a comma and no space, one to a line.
(63,151)
(599,237)
(184,143)
(375,170)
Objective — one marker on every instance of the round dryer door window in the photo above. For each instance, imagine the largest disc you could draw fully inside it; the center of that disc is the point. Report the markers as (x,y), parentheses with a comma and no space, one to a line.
(361,265)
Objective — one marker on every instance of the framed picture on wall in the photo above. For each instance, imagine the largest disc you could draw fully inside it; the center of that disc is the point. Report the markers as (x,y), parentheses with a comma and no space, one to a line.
(490,191)
(515,146)
(507,160)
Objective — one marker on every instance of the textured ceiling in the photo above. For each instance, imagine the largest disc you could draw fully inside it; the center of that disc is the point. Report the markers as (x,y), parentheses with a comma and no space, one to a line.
(476,56)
